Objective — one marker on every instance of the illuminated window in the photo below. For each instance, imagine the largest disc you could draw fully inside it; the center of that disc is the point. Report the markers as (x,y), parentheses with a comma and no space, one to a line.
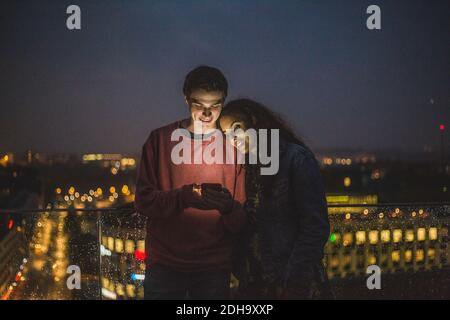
(119,245)
(347,260)
(111,243)
(395,256)
(373,236)
(444,232)
(119,289)
(141,245)
(130,290)
(140,292)
(334,262)
(348,239)
(431,254)
(105,282)
(385,236)
(409,235)
(421,234)
(129,246)
(432,233)
(372,259)
(419,255)
(408,255)
(104,241)
(360,237)
(397,235)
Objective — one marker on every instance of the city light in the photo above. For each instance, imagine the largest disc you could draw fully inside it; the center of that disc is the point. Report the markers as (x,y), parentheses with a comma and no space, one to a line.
(135,276)
(139,255)
(333,237)
(347,181)
(4,160)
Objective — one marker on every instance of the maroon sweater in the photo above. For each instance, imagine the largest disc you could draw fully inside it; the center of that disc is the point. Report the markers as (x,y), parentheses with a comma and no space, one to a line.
(185,239)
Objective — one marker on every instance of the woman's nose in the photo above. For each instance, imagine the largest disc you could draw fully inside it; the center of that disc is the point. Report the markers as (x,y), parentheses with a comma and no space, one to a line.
(206,112)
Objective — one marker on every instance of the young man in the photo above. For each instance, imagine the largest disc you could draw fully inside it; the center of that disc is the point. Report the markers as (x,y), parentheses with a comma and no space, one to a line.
(190,230)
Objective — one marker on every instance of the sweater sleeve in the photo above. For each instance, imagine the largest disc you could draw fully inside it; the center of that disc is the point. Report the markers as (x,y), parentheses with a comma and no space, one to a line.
(312,216)
(149,200)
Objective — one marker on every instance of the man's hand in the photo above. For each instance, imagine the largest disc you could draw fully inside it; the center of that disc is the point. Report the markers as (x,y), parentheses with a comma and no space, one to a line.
(190,196)
(219,200)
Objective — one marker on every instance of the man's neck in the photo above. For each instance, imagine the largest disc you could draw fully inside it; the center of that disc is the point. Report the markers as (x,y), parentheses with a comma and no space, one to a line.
(189,125)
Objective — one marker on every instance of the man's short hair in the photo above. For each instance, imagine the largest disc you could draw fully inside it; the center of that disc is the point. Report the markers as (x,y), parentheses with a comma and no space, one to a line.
(207,78)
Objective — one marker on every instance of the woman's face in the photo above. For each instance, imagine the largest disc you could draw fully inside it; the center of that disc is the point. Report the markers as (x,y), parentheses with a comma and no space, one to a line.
(234,127)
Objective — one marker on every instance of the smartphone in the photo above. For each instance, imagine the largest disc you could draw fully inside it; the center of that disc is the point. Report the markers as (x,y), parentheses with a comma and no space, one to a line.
(212,186)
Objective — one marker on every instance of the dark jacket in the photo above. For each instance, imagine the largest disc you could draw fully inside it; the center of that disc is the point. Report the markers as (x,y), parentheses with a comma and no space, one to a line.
(291,222)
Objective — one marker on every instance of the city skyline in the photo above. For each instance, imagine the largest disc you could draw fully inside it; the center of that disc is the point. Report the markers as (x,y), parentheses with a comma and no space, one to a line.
(105,87)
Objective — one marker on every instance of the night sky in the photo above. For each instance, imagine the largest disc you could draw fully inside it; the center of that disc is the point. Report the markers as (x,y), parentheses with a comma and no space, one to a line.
(105,87)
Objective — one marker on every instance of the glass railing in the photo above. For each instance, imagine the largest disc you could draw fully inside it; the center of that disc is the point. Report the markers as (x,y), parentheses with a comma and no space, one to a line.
(408,242)
(100,254)
(50,254)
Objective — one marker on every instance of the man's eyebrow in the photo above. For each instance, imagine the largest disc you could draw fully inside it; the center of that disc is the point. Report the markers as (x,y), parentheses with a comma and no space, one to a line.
(213,102)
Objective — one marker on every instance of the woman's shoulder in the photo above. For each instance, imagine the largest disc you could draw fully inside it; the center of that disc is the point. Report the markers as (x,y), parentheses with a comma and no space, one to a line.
(299,152)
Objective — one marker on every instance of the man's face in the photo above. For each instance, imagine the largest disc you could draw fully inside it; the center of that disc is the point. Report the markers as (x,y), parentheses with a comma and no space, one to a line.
(205,107)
